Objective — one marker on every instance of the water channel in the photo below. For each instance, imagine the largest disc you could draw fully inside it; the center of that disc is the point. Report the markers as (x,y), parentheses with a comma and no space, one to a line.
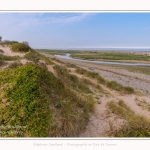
(67,56)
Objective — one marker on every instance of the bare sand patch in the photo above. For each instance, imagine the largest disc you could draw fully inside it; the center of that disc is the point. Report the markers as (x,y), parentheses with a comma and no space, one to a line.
(7,51)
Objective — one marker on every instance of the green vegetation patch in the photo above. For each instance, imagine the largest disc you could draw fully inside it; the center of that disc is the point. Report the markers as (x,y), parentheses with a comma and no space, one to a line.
(71,80)
(52,52)
(109,55)
(40,104)
(118,87)
(20,47)
(22,102)
(139,69)
(90,74)
(35,57)
(8,58)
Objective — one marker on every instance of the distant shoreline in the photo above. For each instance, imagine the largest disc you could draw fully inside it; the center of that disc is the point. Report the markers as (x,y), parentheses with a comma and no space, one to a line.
(101,49)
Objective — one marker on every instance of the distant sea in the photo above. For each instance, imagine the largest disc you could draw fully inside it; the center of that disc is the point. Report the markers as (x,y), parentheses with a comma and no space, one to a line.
(105,49)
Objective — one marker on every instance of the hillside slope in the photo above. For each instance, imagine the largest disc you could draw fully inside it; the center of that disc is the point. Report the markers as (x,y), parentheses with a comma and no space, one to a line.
(36,103)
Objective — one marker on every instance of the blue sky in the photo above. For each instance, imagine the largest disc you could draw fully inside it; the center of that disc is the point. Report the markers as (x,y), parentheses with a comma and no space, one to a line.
(77,29)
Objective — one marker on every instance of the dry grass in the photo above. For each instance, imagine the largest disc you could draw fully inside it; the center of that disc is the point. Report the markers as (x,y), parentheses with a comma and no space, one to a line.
(137,126)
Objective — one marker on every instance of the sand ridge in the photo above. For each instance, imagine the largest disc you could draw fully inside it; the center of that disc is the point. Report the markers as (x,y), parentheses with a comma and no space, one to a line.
(7,51)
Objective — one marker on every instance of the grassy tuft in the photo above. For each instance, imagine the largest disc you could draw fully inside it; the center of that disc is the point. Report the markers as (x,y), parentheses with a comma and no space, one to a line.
(118,87)
(90,74)
(35,57)
(71,80)
(8,58)
(137,126)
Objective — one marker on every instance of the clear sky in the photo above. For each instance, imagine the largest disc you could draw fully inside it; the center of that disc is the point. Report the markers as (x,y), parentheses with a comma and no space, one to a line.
(77,29)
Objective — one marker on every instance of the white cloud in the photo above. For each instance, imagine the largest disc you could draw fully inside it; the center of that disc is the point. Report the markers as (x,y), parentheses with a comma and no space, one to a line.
(23,20)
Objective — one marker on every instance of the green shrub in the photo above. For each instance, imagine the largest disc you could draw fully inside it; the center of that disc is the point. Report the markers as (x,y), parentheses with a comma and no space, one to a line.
(20,47)
(33,97)
(118,87)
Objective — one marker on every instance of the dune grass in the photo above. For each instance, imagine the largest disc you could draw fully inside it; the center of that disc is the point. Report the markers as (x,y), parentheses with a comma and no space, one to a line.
(71,80)
(136,126)
(143,104)
(110,84)
(35,57)
(8,58)
(90,74)
(118,87)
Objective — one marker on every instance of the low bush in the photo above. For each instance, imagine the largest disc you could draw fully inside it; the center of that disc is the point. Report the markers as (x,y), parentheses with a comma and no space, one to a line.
(20,47)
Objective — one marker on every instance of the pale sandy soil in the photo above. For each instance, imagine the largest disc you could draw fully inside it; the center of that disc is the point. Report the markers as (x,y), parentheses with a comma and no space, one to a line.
(8,52)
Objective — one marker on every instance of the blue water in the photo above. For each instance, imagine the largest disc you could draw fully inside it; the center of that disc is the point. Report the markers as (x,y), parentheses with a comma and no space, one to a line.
(67,56)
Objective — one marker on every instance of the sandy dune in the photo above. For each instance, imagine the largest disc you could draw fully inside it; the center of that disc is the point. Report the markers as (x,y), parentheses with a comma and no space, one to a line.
(7,51)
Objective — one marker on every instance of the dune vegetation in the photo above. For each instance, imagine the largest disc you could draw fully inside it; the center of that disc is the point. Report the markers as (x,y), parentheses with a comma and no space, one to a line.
(35,103)
(44,96)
